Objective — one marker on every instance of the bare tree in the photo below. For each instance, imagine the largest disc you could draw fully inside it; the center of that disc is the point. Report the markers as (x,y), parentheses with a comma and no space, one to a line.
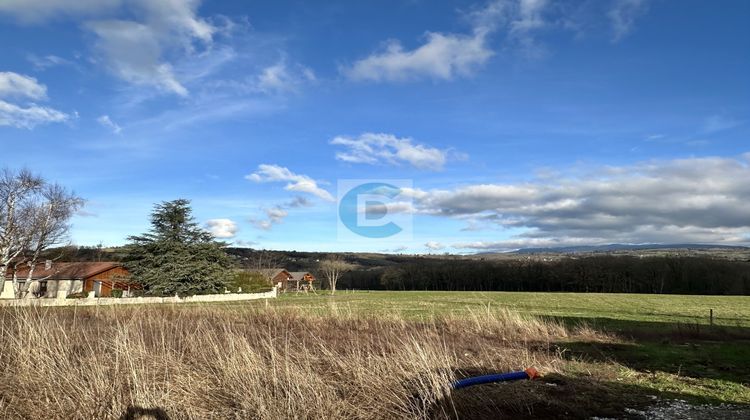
(17,193)
(34,216)
(49,223)
(333,267)
(264,262)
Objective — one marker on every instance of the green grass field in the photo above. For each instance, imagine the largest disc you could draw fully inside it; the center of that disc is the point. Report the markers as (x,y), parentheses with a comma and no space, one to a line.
(730,311)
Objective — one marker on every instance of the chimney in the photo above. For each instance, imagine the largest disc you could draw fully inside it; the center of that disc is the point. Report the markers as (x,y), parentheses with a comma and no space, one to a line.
(48,264)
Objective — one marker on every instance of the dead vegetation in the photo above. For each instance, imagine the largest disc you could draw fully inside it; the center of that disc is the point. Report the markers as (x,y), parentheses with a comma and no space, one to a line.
(213,362)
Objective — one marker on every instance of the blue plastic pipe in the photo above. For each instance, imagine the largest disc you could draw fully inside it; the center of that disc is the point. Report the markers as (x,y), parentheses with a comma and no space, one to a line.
(530,373)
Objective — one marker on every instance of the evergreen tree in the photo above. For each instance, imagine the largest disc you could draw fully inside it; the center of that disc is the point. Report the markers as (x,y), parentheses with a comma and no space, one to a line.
(176,256)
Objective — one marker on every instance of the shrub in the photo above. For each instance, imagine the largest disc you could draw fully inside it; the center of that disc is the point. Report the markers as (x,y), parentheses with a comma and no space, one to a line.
(78,295)
(249,282)
(116,293)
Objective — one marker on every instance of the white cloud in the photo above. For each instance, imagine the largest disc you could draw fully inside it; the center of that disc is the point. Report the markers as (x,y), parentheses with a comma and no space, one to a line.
(529,16)
(298,202)
(222,228)
(374,148)
(397,250)
(47,61)
(528,19)
(684,200)
(274,216)
(137,50)
(622,16)
(176,18)
(434,246)
(14,86)
(445,56)
(280,78)
(133,53)
(295,182)
(29,117)
(442,56)
(145,48)
(107,122)
(20,86)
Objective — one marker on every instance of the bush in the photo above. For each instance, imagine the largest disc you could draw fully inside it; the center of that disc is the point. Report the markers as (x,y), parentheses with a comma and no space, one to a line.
(116,293)
(249,282)
(78,295)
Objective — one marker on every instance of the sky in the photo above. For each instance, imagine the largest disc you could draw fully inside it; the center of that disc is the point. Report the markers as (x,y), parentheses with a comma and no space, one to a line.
(504,124)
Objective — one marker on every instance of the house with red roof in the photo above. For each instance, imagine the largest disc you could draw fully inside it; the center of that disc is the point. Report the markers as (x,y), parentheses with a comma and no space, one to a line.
(61,279)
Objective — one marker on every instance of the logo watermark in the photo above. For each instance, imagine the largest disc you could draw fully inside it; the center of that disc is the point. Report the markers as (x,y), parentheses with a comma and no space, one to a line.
(374,209)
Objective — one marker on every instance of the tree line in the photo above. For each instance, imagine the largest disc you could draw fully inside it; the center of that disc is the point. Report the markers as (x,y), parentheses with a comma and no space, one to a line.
(177,256)
(595,274)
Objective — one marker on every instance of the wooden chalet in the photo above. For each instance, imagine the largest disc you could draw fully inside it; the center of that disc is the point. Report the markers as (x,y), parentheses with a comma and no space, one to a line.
(301,280)
(60,279)
(289,281)
(277,276)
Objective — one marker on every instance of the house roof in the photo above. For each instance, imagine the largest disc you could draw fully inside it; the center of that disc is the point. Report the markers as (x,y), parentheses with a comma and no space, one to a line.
(67,270)
(300,275)
(272,272)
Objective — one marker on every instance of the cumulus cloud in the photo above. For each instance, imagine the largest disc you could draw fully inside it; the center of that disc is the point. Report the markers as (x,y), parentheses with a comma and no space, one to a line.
(434,246)
(299,201)
(622,16)
(21,86)
(161,46)
(29,117)
(17,87)
(135,50)
(374,148)
(445,56)
(295,182)
(138,51)
(274,216)
(685,200)
(107,122)
(222,228)
(442,56)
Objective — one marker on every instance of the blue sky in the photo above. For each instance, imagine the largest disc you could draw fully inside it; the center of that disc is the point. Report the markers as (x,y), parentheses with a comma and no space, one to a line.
(517,122)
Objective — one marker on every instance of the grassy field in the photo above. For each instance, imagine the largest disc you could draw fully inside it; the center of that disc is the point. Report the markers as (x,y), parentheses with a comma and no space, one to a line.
(668,337)
(373,355)
(733,311)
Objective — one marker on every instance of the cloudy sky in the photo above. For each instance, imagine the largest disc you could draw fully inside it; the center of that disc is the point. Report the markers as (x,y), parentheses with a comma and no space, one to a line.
(516,123)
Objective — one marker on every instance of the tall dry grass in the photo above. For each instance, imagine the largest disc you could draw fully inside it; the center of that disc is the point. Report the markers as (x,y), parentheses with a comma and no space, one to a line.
(212,362)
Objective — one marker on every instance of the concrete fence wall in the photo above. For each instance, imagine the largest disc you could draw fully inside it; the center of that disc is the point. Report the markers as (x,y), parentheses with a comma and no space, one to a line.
(94,301)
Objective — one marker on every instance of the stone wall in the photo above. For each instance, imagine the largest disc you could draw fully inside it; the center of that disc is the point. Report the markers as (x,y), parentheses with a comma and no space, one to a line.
(94,301)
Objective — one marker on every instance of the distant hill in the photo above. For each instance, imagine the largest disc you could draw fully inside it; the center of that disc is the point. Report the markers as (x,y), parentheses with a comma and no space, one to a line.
(624,247)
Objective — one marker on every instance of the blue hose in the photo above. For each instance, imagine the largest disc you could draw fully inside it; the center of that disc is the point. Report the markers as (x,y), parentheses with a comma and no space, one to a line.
(498,377)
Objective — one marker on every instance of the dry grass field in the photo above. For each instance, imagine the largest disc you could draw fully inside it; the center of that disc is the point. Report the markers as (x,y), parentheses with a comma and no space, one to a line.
(220,361)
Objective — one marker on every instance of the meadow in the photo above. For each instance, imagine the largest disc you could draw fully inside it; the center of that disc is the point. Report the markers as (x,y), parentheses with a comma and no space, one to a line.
(606,308)
(373,355)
